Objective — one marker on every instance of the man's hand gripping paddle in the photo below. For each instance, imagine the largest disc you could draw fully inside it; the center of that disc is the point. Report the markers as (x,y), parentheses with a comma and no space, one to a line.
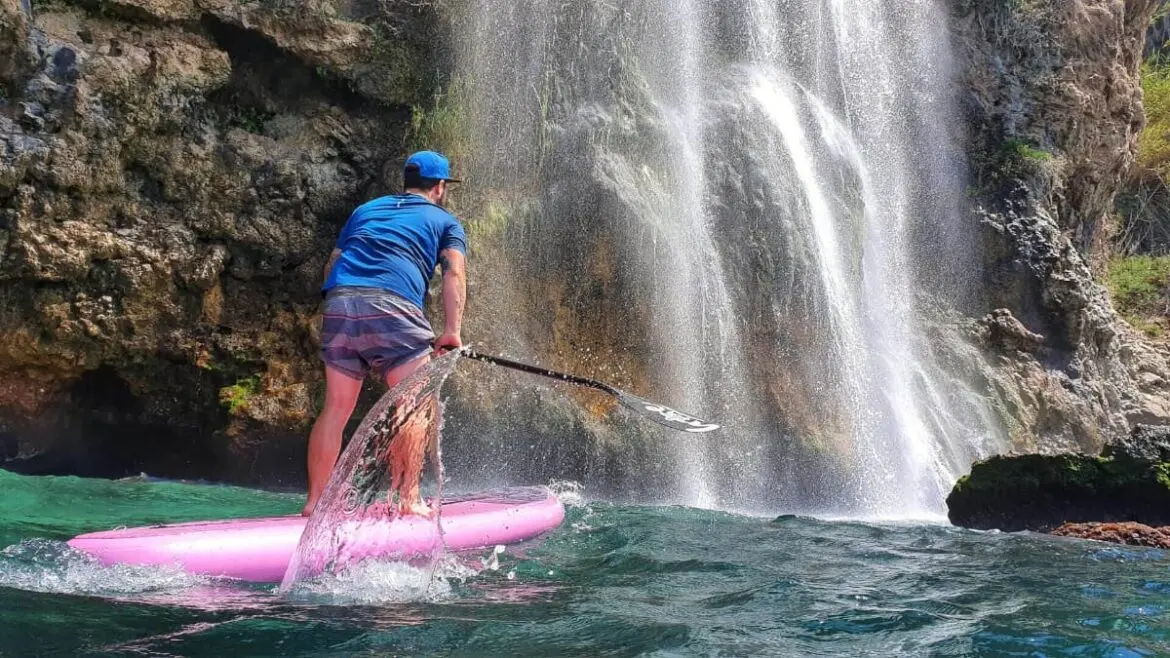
(658,413)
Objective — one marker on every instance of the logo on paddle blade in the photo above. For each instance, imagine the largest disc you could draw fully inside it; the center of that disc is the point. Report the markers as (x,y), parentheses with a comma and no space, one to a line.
(670,415)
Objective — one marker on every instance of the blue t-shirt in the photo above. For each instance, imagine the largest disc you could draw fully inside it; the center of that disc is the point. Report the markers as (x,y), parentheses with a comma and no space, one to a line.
(393,243)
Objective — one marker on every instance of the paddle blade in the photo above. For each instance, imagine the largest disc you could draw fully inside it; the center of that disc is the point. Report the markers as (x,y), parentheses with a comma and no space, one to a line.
(664,415)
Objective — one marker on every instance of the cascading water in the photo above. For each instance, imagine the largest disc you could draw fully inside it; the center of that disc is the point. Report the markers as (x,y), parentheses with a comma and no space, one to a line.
(753,196)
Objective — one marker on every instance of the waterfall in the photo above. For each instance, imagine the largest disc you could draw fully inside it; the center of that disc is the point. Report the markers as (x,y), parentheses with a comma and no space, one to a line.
(745,206)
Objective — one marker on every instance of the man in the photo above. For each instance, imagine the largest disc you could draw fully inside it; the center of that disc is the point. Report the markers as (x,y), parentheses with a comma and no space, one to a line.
(375,285)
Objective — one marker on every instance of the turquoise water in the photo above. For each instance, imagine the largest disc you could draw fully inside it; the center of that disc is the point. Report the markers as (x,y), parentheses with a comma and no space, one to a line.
(613,580)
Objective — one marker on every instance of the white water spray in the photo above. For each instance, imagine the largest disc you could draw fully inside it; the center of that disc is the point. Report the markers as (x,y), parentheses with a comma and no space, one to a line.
(765,168)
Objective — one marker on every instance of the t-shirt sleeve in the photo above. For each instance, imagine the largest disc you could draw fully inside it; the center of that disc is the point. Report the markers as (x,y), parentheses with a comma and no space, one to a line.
(453,237)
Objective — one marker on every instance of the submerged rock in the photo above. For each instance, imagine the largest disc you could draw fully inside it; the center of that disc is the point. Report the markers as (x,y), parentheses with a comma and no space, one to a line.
(1132,534)
(1128,482)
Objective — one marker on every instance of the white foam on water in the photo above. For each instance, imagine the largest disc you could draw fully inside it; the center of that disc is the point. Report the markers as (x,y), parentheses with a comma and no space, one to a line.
(54,567)
(570,493)
(492,561)
(380,582)
(922,518)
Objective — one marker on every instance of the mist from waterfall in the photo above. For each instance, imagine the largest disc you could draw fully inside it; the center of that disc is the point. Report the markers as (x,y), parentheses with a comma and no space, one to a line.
(774,186)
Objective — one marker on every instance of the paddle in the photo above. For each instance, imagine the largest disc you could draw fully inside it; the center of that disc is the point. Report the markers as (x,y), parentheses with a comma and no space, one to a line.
(658,413)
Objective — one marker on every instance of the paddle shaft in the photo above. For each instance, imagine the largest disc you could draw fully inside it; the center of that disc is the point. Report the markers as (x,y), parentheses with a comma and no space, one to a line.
(524,367)
(653,411)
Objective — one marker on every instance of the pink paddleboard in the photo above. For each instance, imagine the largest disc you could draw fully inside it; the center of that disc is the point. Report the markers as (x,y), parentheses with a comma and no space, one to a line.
(259,550)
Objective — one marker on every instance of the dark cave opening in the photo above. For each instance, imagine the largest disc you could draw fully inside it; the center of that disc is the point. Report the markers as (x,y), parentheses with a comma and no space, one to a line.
(267,81)
(102,429)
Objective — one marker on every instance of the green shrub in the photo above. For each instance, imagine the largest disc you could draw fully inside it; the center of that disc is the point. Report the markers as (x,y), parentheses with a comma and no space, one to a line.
(249,118)
(1026,151)
(1154,142)
(1143,202)
(1140,286)
(1139,282)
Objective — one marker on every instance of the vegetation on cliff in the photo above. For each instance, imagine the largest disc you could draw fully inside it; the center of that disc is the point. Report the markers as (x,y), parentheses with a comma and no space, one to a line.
(1139,271)
(1053,101)
(1154,145)
(1140,288)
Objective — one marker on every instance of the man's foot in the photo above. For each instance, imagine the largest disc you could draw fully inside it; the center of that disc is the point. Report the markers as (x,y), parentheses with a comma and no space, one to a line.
(308,511)
(417,508)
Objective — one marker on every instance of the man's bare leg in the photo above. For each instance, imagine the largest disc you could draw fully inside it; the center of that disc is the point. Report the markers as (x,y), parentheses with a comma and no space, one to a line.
(404,472)
(341,394)
(410,455)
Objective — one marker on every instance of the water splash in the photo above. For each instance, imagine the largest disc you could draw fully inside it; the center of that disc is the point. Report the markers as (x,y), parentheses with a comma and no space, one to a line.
(382,581)
(569,492)
(356,517)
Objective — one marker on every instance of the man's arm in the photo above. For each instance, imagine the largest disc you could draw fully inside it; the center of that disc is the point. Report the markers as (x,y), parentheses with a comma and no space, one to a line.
(331,262)
(454,265)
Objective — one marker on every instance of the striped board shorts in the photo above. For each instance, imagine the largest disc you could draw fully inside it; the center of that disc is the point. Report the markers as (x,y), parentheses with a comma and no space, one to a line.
(370,329)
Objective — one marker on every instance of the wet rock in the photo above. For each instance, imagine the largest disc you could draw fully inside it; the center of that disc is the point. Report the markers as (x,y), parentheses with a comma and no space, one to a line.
(65,62)
(1004,332)
(1129,482)
(153,227)
(1131,534)
(9,446)
(1146,443)
(31,115)
(15,20)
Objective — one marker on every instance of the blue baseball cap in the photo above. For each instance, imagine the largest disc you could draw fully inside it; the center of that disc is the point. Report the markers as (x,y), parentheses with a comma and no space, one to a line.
(431,165)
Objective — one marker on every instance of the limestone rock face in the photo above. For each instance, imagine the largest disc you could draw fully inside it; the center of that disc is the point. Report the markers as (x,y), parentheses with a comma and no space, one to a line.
(172,176)
(1053,111)
(14,25)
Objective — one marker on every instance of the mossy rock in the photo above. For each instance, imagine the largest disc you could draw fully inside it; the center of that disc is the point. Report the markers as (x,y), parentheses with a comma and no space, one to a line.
(1042,492)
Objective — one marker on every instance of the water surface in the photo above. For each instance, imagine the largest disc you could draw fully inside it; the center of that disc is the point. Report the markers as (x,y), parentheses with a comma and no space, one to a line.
(613,580)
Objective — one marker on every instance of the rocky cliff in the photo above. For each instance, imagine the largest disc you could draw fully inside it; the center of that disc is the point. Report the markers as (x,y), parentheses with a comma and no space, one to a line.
(172,176)
(173,173)
(1053,112)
